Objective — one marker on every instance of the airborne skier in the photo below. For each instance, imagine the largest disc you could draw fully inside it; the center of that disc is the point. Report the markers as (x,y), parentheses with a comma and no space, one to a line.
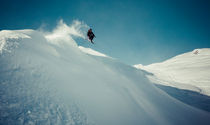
(90,35)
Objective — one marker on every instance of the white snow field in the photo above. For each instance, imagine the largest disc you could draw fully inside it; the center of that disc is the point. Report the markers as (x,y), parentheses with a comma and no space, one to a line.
(190,71)
(45,79)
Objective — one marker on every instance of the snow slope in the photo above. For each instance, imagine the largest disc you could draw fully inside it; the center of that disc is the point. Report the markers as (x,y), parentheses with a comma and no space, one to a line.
(189,71)
(91,51)
(46,79)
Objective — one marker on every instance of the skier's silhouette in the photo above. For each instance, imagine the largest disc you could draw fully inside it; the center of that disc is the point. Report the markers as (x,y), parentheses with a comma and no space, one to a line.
(90,35)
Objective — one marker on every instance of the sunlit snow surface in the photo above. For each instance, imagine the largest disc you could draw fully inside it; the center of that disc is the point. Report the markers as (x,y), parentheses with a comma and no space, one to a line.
(190,71)
(91,51)
(45,79)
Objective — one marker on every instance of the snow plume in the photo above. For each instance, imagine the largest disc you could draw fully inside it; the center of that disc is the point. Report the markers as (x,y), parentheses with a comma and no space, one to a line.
(65,33)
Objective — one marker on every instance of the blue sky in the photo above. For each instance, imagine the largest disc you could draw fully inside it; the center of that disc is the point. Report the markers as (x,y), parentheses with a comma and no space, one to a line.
(134,31)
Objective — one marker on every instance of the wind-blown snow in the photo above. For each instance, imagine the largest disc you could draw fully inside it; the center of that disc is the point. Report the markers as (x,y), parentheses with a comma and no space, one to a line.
(64,33)
(46,79)
(189,71)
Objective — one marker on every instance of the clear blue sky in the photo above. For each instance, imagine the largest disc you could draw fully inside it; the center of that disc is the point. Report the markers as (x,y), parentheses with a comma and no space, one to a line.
(134,31)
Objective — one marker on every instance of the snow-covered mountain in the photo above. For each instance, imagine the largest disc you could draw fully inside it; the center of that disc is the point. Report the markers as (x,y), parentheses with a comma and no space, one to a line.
(189,71)
(46,79)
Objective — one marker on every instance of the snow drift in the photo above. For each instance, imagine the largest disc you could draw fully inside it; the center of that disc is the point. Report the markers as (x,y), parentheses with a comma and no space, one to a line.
(190,71)
(46,79)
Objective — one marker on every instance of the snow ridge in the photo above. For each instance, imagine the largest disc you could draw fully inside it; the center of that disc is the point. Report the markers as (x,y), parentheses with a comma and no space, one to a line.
(189,71)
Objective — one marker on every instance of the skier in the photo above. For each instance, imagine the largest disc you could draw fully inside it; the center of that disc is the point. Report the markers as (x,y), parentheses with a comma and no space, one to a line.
(90,35)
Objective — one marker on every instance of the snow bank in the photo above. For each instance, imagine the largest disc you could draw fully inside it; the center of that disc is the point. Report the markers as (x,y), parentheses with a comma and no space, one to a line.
(189,71)
(46,79)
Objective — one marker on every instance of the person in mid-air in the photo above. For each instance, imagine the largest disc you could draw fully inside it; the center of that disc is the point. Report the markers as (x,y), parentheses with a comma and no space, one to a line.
(90,35)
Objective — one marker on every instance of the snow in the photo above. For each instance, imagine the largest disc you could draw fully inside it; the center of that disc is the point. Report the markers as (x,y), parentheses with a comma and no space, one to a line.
(190,71)
(46,79)
(91,51)
(5,46)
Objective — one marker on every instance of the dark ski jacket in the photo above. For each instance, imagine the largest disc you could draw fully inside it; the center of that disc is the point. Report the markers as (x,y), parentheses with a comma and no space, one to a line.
(90,34)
